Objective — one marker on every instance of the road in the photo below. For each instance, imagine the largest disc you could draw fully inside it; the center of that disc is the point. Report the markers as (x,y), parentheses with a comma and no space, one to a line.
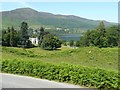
(16,81)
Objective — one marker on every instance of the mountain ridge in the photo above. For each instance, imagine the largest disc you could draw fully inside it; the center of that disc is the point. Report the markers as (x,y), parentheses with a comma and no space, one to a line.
(36,19)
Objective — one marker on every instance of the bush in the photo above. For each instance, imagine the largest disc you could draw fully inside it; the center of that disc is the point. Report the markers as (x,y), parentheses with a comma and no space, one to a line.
(50,42)
(71,43)
(63,72)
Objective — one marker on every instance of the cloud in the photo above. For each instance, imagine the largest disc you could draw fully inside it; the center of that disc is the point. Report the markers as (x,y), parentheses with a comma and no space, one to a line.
(24,3)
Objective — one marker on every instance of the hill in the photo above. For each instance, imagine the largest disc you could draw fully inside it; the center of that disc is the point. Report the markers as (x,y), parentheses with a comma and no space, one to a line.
(37,19)
(90,66)
(105,58)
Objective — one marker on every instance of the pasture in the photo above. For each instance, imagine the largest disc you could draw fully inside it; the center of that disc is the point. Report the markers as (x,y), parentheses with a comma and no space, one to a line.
(103,58)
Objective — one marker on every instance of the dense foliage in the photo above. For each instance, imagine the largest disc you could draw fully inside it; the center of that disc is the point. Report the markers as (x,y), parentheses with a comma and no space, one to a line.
(24,41)
(64,73)
(64,42)
(20,38)
(41,34)
(50,42)
(14,38)
(10,37)
(71,42)
(101,37)
(77,44)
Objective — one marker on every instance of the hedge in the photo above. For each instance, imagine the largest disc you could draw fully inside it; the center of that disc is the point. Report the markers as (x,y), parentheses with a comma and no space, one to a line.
(90,77)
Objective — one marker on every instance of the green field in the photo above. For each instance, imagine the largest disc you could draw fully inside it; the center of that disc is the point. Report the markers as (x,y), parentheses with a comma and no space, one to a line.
(105,58)
(85,66)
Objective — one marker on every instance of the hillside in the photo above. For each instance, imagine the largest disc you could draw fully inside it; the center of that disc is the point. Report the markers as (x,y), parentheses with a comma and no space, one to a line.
(90,66)
(37,19)
(105,58)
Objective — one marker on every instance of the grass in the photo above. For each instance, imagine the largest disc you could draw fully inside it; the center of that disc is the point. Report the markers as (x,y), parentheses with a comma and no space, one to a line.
(105,58)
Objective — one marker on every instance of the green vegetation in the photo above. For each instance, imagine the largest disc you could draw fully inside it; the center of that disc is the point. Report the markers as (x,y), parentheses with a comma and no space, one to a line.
(47,20)
(50,42)
(77,44)
(45,39)
(87,66)
(71,43)
(93,64)
(64,42)
(90,77)
(10,37)
(104,58)
(24,41)
(41,33)
(101,37)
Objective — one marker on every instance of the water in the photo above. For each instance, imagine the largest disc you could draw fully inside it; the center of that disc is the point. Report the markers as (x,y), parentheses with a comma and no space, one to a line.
(68,37)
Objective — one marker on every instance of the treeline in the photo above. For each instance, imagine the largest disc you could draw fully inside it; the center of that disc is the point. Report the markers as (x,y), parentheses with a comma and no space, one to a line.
(14,38)
(100,37)
(10,37)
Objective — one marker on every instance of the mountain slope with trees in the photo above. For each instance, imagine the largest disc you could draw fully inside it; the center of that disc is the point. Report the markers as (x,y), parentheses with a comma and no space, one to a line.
(48,20)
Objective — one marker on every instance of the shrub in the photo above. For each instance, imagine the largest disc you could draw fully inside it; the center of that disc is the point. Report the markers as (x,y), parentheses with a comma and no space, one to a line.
(50,42)
(63,72)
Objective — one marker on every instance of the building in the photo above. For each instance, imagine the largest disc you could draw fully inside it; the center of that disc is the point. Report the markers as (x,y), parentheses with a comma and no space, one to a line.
(34,40)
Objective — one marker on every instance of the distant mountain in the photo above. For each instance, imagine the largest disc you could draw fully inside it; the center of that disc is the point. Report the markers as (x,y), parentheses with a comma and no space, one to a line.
(37,19)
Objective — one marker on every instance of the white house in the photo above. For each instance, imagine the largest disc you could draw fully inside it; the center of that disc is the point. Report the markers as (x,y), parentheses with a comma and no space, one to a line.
(34,40)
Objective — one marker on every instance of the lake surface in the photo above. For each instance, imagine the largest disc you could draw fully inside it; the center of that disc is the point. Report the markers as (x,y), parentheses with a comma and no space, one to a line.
(68,37)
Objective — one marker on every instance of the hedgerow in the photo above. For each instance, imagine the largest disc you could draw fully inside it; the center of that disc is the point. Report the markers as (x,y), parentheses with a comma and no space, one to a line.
(90,77)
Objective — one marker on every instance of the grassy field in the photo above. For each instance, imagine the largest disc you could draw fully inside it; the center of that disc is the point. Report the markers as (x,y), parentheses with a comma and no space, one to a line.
(105,58)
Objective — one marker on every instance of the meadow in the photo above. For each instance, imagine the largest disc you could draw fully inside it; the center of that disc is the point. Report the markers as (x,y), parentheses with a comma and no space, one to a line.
(103,58)
(86,66)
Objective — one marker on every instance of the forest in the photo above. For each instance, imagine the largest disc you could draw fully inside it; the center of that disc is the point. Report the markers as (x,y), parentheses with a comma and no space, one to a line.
(99,37)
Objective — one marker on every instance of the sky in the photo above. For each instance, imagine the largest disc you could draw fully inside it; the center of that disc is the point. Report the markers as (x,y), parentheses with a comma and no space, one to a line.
(91,10)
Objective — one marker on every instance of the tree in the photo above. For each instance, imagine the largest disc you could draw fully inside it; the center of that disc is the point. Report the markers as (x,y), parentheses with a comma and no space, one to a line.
(77,44)
(64,42)
(41,34)
(102,35)
(12,36)
(16,38)
(71,43)
(50,42)
(6,37)
(30,32)
(93,38)
(24,37)
(101,28)
(112,35)
(85,39)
